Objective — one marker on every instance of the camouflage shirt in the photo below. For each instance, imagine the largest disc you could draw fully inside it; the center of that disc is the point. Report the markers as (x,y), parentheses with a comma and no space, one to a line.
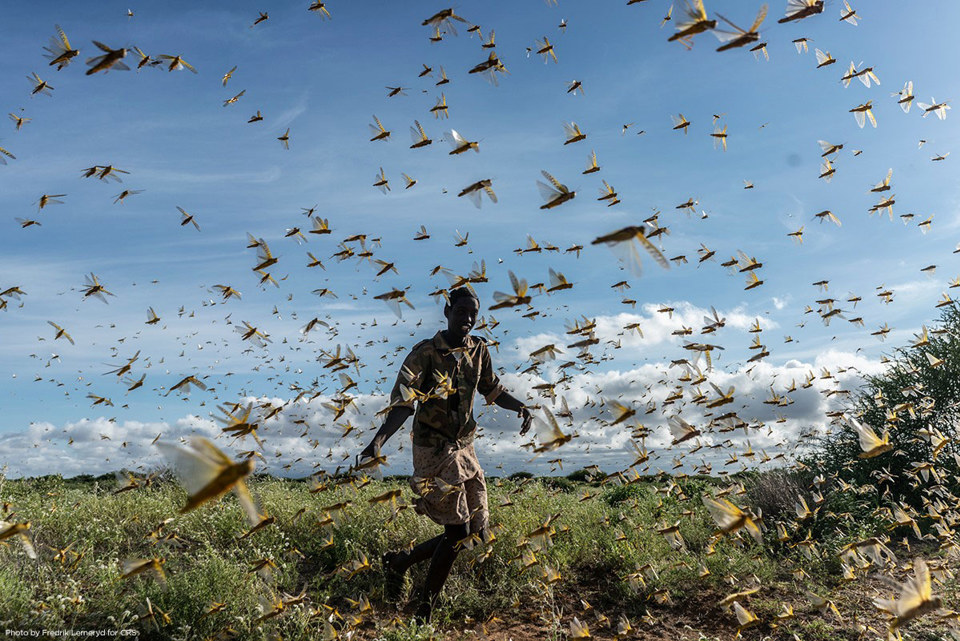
(446,418)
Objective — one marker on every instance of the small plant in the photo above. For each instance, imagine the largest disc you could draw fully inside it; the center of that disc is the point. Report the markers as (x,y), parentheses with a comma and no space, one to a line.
(583,475)
(411,631)
(560,483)
(622,493)
(774,492)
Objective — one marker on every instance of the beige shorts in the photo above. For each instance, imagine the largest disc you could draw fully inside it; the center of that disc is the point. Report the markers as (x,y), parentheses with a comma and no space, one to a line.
(450,486)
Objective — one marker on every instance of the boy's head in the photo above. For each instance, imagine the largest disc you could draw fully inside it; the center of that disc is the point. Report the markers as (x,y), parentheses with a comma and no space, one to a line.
(461,311)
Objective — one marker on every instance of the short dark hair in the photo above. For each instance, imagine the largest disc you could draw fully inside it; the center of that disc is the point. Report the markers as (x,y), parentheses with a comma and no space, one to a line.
(461,292)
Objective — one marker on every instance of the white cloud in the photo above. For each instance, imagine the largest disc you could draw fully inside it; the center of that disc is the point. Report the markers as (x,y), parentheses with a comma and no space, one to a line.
(286,117)
(303,437)
(665,327)
(179,177)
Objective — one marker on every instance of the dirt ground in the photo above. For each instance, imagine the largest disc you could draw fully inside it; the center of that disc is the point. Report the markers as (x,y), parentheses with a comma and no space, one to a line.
(694,619)
(531,624)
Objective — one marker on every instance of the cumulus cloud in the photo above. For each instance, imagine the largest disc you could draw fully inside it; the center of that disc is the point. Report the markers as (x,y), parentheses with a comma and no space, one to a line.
(667,326)
(775,405)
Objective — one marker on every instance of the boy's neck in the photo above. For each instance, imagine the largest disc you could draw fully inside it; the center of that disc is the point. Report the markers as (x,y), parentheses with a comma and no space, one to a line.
(450,340)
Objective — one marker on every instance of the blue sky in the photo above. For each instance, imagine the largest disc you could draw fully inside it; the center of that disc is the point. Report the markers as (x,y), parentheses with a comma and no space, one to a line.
(325,79)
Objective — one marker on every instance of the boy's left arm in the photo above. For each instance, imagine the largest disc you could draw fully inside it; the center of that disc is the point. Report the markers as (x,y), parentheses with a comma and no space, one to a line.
(489,385)
(509,402)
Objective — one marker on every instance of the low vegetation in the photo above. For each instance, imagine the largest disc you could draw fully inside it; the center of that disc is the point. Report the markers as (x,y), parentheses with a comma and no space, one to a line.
(603,561)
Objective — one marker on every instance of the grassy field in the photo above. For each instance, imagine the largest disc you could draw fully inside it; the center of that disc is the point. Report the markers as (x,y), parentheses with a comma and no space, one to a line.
(606,564)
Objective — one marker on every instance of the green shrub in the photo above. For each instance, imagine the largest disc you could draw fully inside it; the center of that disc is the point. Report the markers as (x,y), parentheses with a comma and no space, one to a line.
(909,398)
(559,483)
(617,495)
(774,492)
(583,475)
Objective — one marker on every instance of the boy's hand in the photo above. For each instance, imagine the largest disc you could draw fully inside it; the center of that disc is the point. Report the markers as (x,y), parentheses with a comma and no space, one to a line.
(527,418)
(369,451)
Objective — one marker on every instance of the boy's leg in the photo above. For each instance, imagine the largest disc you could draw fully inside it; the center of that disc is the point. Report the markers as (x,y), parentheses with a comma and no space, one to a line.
(396,564)
(475,490)
(402,561)
(440,565)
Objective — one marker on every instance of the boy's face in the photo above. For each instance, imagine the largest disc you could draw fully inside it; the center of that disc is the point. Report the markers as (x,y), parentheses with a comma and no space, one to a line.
(461,316)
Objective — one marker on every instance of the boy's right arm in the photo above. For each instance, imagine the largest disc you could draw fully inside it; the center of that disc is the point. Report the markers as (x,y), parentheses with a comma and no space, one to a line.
(395,420)
(401,409)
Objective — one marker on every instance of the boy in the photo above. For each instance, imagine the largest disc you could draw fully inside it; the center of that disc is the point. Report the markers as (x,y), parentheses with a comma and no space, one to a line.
(443,373)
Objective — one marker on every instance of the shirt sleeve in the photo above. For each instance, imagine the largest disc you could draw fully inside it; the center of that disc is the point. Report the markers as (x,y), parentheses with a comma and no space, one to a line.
(489,383)
(411,375)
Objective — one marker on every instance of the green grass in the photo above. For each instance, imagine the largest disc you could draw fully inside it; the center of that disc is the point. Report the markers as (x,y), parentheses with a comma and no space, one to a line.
(596,545)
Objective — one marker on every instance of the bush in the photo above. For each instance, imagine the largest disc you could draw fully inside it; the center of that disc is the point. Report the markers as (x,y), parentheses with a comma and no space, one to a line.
(520,476)
(774,492)
(622,493)
(915,395)
(559,483)
(582,476)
